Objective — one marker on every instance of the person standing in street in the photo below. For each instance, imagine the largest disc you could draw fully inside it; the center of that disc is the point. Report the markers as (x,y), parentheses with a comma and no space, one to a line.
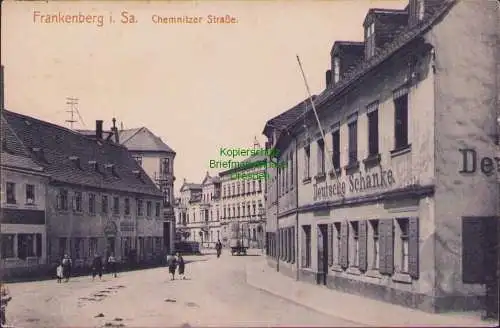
(112,264)
(59,273)
(66,264)
(97,267)
(172,265)
(182,264)
(5,299)
(218,247)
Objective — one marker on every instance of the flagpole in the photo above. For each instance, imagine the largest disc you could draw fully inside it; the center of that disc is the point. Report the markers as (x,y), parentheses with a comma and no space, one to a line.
(319,123)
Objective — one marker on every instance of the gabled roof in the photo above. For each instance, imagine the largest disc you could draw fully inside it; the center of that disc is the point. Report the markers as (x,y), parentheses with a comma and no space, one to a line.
(56,148)
(190,186)
(142,139)
(210,180)
(259,161)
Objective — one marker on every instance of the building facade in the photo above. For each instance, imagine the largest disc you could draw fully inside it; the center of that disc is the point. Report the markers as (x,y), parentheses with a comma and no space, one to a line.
(98,200)
(243,200)
(156,159)
(23,192)
(397,199)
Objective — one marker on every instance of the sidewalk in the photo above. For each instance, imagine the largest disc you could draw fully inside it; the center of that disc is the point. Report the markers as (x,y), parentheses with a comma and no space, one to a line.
(364,311)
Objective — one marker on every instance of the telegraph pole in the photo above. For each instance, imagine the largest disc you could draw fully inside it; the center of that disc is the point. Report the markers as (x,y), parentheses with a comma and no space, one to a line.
(73,109)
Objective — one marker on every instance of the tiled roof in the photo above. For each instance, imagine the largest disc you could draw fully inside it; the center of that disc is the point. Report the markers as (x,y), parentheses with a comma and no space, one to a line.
(404,36)
(286,118)
(91,134)
(19,162)
(251,159)
(142,139)
(190,186)
(52,146)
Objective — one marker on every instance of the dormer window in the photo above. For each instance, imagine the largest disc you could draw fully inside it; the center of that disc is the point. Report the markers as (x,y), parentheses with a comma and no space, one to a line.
(94,165)
(110,168)
(336,69)
(76,161)
(370,40)
(420,9)
(38,153)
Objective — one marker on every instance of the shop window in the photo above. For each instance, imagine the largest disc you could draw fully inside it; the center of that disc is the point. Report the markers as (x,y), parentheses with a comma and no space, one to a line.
(7,244)
(354,257)
(306,246)
(78,248)
(25,246)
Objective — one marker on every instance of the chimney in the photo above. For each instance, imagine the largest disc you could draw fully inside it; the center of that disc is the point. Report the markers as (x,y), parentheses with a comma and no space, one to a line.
(328,76)
(98,129)
(115,131)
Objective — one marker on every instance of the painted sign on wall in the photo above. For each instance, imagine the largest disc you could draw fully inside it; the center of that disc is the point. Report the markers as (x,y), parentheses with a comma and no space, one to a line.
(487,165)
(355,183)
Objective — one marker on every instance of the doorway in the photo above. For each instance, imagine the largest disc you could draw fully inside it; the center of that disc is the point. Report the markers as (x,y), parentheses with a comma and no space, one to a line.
(322,254)
(110,246)
(166,237)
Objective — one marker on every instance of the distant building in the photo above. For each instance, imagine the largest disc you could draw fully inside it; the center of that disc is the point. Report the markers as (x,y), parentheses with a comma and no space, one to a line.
(23,219)
(397,198)
(198,211)
(98,200)
(157,160)
(243,200)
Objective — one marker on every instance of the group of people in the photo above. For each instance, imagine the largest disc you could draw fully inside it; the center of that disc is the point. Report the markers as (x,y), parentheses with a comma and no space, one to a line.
(63,270)
(176,262)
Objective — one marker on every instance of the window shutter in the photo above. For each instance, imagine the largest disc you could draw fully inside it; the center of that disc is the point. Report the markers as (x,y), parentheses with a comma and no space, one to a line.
(293,245)
(472,254)
(344,245)
(413,247)
(389,247)
(363,245)
(330,244)
(303,248)
(382,241)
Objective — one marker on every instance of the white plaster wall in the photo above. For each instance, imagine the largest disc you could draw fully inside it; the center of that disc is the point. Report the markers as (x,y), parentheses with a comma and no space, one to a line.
(465,118)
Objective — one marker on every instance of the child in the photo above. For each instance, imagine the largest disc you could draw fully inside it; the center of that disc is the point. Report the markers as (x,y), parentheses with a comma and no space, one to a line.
(59,273)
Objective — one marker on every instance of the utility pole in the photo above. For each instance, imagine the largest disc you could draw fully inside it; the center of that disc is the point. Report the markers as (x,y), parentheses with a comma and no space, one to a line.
(73,109)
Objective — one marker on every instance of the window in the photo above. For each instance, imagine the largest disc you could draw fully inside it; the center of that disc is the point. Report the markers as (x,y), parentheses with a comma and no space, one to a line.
(233,193)
(166,195)
(225,212)
(62,199)
(92,246)
(7,245)
(291,171)
(253,186)
(260,186)
(30,194)
(353,143)
(401,122)
(92,203)
(243,188)
(78,248)
(38,244)
(373,133)
(321,157)
(158,209)
(307,159)
(403,226)
(306,246)
(116,205)
(376,246)
(336,149)
(248,187)
(77,202)
(338,243)
(11,192)
(140,207)
(25,245)
(165,166)
(62,246)
(138,159)
(370,40)
(149,208)
(355,244)
(127,206)
(254,210)
(104,205)
(336,69)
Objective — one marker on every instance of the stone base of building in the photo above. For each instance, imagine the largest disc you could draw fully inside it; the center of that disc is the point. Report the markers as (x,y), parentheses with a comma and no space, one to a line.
(418,301)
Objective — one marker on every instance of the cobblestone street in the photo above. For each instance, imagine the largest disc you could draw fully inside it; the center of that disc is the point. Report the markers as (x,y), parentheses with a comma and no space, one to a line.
(215,293)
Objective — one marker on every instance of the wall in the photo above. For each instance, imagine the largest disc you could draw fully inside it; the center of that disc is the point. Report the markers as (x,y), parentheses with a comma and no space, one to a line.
(465,118)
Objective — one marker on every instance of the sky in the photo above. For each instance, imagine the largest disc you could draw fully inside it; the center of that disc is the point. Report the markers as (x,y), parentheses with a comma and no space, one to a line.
(199,87)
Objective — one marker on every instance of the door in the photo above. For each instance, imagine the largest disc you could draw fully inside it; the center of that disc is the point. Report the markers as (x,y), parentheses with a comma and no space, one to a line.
(110,247)
(322,254)
(166,237)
